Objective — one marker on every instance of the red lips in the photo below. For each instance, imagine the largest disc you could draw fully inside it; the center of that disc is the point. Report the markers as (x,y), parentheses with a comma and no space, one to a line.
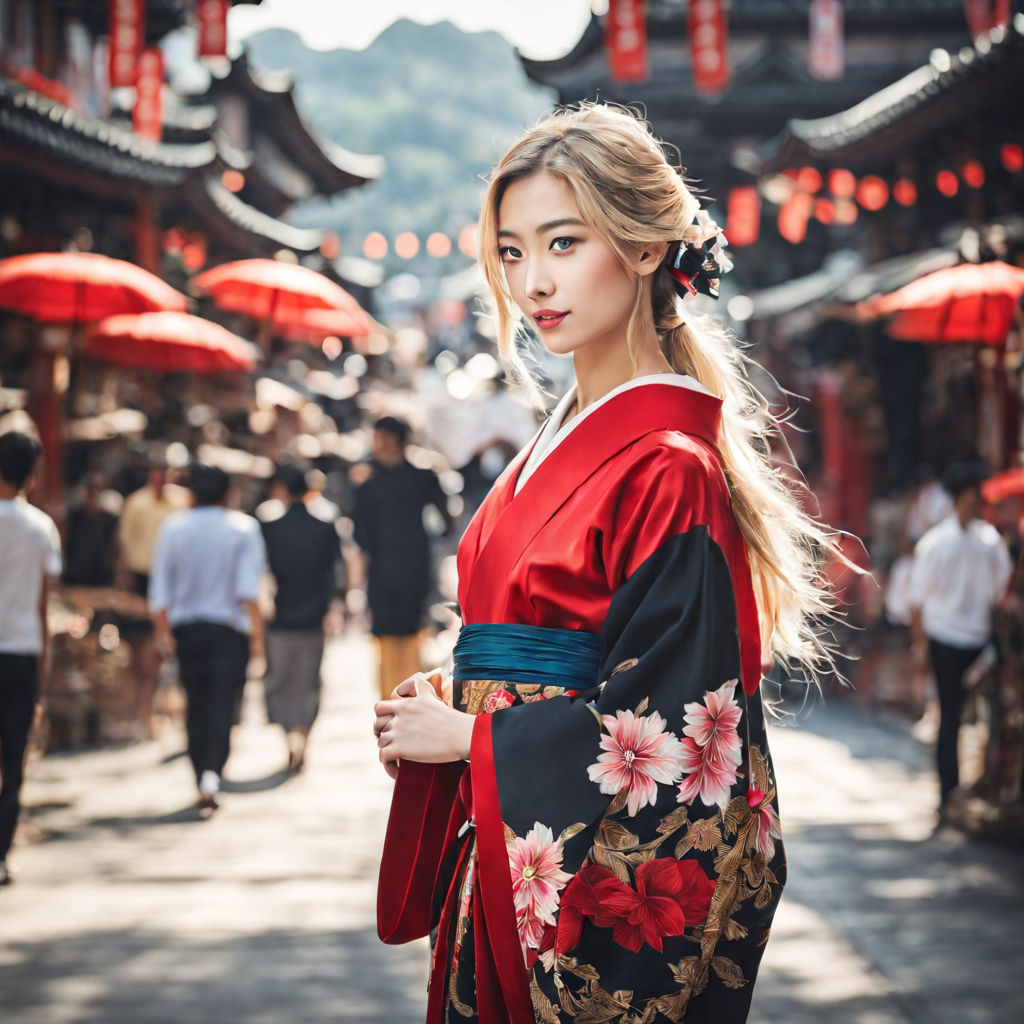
(545,319)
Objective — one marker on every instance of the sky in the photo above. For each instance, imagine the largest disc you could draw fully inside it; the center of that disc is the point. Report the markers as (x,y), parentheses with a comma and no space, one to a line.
(542,29)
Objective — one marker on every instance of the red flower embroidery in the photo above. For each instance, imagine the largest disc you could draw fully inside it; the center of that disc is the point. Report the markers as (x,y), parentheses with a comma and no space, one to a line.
(497,700)
(670,896)
(766,824)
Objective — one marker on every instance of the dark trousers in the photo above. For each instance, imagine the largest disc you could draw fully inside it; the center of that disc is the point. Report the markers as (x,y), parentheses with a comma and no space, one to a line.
(211,663)
(949,665)
(19,688)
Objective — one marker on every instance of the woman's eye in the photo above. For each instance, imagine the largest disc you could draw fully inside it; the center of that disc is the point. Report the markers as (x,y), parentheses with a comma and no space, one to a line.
(562,243)
(506,253)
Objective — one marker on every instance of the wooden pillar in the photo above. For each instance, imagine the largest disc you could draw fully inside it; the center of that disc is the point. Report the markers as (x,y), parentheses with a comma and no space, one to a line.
(147,236)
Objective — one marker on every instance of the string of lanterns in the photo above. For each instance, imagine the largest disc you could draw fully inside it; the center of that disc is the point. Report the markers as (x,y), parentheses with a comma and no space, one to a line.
(836,196)
(407,245)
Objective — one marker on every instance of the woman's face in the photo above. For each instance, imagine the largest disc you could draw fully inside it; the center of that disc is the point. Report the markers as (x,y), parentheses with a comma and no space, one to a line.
(562,273)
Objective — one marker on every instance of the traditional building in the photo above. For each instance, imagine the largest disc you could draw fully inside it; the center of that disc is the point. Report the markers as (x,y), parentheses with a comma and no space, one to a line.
(769,82)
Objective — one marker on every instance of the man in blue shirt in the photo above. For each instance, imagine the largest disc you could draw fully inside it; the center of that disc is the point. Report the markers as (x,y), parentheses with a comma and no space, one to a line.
(203,594)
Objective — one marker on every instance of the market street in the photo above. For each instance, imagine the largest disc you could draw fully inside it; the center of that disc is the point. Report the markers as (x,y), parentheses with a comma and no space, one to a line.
(127,910)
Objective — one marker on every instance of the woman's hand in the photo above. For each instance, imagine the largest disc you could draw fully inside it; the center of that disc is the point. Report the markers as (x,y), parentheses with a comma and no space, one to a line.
(418,725)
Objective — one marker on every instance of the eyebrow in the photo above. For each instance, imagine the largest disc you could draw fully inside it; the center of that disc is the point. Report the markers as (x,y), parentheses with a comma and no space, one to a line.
(549,225)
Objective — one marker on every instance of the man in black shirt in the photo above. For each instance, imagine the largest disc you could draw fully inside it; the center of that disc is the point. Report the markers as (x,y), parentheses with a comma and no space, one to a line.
(302,551)
(389,528)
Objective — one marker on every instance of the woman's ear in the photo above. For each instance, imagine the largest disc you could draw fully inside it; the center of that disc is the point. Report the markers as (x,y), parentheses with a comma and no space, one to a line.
(646,260)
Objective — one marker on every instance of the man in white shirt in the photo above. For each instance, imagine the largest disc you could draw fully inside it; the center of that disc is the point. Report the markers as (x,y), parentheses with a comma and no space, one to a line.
(29,556)
(961,571)
(203,595)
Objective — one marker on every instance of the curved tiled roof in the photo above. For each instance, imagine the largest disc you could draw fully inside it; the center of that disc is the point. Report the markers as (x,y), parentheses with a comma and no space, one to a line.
(30,120)
(944,88)
(254,222)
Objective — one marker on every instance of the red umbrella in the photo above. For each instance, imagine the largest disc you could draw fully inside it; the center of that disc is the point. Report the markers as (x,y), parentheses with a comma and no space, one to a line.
(971,302)
(169,343)
(317,324)
(74,287)
(273,291)
(1008,484)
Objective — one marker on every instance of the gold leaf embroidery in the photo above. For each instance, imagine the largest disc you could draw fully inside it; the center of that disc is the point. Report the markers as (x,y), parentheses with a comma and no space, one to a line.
(571,830)
(728,971)
(510,836)
(673,821)
(618,802)
(624,666)
(702,835)
(642,706)
(734,930)
(542,1006)
(616,836)
(614,861)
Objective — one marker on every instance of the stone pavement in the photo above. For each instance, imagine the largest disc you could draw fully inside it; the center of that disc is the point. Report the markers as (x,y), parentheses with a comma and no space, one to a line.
(128,910)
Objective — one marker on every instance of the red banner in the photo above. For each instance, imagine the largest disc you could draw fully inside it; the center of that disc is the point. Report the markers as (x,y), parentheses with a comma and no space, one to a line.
(826,52)
(985,15)
(625,40)
(148,115)
(127,22)
(212,18)
(743,218)
(708,40)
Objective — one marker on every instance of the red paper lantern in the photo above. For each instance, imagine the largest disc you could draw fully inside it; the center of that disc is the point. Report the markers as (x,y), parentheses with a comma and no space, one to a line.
(904,192)
(973,174)
(841,183)
(743,220)
(330,247)
(232,180)
(1012,157)
(439,245)
(946,182)
(793,217)
(375,246)
(825,210)
(407,245)
(808,180)
(872,192)
(846,212)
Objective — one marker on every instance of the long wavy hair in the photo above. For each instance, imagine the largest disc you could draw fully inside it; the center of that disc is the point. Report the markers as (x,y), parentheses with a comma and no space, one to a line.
(627,189)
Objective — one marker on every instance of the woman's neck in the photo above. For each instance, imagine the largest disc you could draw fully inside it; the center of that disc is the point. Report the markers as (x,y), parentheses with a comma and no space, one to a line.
(598,372)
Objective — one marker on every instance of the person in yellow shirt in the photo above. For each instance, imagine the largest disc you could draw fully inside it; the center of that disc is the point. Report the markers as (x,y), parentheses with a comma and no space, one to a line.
(143,514)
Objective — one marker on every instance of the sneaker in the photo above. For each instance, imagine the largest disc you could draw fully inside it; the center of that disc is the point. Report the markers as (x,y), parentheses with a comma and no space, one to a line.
(209,783)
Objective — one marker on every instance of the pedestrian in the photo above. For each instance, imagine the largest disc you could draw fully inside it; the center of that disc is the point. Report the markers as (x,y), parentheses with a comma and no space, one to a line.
(29,559)
(388,521)
(141,518)
(961,571)
(303,552)
(90,539)
(622,588)
(203,596)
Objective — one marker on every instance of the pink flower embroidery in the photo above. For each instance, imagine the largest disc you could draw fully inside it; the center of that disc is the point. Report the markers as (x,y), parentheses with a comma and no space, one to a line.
(639,753)
(766,828)
(497,700)
(537,878)
(711,748)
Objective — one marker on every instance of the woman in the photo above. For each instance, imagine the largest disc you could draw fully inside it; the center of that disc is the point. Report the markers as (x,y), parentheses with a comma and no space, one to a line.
(611,850)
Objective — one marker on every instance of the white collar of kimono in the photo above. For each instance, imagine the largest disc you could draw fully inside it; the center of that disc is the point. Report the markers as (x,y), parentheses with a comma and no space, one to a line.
(555,432)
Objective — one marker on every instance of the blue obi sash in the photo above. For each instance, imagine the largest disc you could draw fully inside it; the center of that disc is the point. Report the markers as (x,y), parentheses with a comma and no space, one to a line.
(569,658)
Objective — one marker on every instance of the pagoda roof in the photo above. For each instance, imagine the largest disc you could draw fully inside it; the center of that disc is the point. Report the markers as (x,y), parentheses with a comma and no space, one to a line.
(245,226)
(271,98)
(947,93)
(104,156)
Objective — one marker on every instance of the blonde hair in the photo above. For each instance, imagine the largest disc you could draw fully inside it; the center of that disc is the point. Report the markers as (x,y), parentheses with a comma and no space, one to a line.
(627,189)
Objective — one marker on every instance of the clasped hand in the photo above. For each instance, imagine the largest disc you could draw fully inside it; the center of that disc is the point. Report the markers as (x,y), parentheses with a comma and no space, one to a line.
(416,724)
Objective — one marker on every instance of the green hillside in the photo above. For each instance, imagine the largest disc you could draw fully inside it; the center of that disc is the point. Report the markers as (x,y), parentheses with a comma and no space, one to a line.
(440,104)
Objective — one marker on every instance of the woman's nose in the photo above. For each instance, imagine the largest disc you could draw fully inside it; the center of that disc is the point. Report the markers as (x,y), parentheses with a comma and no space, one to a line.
(538,281)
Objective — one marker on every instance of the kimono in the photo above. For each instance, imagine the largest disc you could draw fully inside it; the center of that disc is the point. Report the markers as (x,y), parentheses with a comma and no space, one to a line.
(611,852)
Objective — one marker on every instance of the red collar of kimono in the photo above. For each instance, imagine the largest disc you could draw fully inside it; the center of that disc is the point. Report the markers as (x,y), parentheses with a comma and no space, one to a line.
(600,436)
